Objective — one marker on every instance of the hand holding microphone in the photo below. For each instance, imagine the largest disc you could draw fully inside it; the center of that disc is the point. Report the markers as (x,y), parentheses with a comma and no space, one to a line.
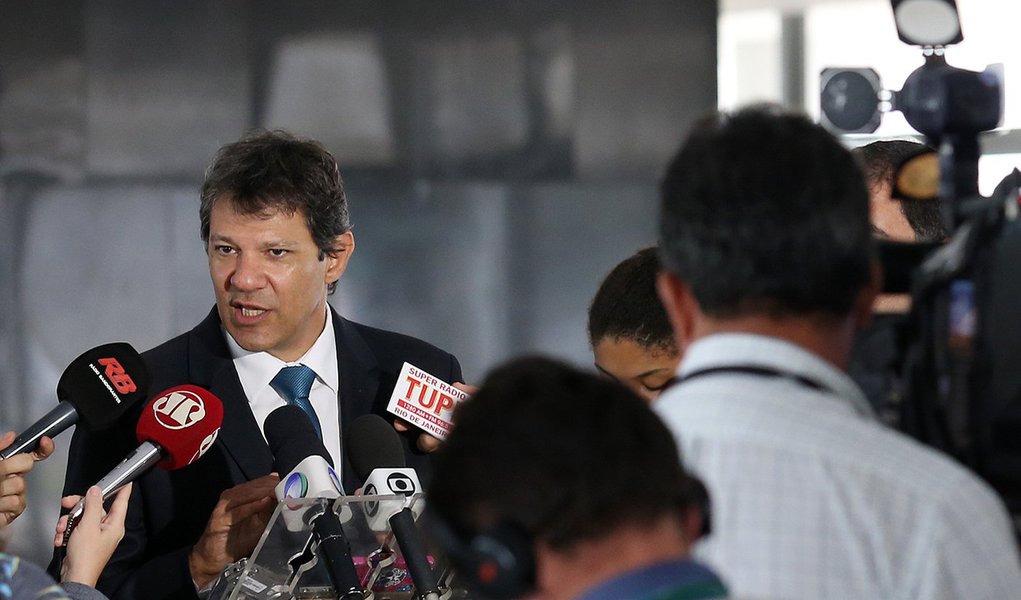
(175,429)
(12,477)
(426,442)
(423,401)
(96,389)
(96,537)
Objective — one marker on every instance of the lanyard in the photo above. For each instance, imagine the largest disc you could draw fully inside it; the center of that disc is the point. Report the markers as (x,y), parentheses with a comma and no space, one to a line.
(750,370)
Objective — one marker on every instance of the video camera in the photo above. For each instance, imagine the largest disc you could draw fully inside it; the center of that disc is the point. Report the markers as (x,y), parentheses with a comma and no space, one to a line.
(961,349)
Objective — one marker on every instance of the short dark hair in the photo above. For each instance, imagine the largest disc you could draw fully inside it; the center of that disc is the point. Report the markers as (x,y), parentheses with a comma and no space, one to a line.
(879,161)
(266,171)
(560,454)
(627,307)
(766,213)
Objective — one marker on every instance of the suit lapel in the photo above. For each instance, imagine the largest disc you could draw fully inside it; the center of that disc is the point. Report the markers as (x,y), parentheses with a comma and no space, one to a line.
(211,366)
(359,381)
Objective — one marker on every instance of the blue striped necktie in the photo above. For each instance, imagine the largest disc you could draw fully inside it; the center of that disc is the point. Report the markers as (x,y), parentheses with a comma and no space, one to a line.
(294,385)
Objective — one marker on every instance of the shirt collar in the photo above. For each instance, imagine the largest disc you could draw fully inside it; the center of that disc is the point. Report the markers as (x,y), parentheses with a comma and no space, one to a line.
(261,367)
(656,581)
(727,349)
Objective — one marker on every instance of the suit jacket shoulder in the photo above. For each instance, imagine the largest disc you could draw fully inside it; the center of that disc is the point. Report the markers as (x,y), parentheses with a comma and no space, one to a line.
(394,349)
(370,360)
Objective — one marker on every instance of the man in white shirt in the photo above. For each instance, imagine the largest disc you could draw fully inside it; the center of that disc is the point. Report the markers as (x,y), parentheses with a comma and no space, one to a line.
(768,258)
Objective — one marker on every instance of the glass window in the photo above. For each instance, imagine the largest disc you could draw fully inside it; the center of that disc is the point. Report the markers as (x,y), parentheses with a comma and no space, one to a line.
(749,61)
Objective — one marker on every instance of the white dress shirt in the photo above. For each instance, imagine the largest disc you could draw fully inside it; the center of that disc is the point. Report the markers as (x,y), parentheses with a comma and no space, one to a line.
(813,498)
(257,369)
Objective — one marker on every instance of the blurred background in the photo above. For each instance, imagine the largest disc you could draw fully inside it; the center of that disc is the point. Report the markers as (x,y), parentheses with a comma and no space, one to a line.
(499,156)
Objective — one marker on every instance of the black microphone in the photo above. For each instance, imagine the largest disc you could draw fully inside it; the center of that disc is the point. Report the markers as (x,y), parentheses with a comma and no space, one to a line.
(372,444)
(96,388)
(370,435)
(298,451)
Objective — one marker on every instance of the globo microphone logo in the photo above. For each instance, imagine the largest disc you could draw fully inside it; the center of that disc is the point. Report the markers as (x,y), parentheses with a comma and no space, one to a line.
(179,409)
(296,486)
(334,479)
(399,483)
(371,506)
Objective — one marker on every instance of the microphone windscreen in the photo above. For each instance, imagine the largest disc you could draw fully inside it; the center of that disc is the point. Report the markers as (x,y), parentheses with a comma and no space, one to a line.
(373,444)
(292,438)
(102,383)
(183,421)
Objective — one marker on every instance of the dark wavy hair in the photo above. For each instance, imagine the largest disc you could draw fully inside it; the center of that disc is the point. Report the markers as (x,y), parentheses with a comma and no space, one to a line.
(267,171)
(560,454)
(627,307)
(879,161)
(766,213)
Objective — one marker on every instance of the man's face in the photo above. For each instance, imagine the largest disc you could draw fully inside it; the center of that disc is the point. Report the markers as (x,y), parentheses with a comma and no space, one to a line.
(269,281)
(888,220)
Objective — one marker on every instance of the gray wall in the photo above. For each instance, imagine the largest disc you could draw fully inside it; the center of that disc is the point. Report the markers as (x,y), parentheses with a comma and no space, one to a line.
(500,157)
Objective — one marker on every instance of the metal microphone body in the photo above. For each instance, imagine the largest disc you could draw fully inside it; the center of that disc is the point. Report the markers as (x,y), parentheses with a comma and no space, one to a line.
(136,463)
(57,420)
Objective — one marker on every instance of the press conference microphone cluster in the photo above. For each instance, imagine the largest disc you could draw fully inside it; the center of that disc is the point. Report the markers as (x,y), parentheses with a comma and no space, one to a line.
(377,457)
(298,452)
(95,389)
(175,429)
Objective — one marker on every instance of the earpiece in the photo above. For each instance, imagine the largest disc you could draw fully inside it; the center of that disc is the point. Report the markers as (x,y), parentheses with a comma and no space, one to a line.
(498,563)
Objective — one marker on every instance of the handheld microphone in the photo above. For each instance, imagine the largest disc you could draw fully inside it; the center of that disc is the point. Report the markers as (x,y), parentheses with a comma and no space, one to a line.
(96,388)
(175,429)
(298,451)
(371,434)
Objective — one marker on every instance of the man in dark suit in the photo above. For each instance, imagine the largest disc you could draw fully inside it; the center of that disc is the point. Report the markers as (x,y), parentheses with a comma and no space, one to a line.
(278,237)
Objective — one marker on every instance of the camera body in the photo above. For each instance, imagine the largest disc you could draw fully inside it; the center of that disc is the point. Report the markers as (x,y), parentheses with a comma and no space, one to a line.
(938,99)
(959,381)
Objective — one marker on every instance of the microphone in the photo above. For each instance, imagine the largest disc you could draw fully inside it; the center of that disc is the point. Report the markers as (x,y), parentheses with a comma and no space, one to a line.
(96,388)
(175,429)
(377,458)
(298,451)
(307,462)
(371,434)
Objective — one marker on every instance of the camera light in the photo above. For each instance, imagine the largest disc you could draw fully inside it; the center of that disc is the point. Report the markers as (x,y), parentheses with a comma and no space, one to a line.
(850,99)
(927,22)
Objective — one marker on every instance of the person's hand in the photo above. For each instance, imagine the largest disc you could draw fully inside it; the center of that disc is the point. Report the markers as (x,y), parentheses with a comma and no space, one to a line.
(234,528)
(42,452)
(427,442)
(12,477)
(471,390)
(94,538)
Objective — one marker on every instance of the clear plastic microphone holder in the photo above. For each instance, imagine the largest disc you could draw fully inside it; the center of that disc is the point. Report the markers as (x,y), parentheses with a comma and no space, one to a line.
(284,565)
